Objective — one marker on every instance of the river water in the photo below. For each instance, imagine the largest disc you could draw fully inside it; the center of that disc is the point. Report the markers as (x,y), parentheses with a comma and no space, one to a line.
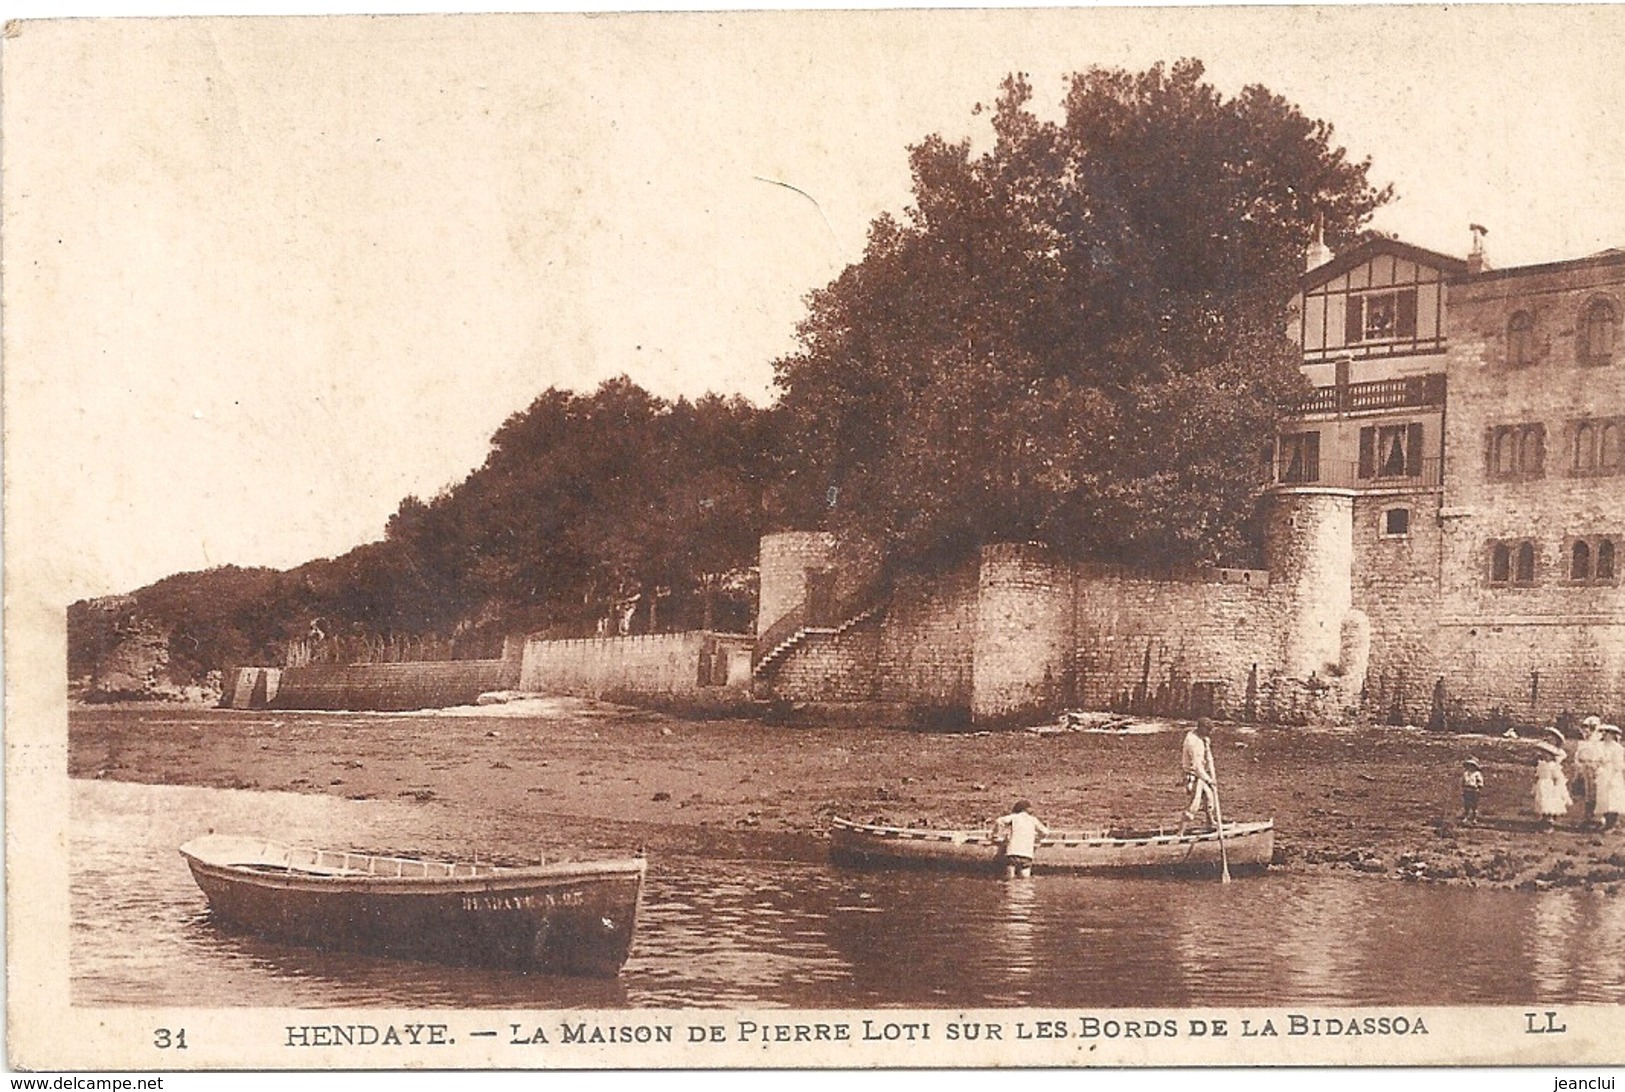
(729,932)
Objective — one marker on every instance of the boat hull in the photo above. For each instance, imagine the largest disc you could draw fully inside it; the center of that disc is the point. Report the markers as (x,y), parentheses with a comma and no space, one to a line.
(573,918)
(1247,846)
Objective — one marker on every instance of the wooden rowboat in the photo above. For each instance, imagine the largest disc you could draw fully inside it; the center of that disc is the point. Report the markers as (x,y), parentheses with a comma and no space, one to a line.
(569,918)
(1246,846)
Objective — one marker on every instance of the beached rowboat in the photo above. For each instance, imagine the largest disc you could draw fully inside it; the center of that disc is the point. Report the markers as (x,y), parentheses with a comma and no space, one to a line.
(1246,845)
(573,917)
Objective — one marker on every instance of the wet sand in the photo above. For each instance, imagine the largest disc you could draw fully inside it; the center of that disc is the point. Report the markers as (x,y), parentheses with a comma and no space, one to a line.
(1377,801)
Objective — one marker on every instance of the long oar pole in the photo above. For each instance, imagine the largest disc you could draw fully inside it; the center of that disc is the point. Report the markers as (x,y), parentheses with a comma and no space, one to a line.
(1218,817)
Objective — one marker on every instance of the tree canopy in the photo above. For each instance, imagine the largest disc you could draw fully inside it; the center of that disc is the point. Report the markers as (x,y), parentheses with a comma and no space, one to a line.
(600,510)
(1076,336)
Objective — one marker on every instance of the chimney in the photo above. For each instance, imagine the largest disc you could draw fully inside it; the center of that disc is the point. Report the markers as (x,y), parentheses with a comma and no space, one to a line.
(1475,257)
(1318,253)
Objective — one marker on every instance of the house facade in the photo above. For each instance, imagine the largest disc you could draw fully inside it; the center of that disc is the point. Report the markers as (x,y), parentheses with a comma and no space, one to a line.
(1445,515)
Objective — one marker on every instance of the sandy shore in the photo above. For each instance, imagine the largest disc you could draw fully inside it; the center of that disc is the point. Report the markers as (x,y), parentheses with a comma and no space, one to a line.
(1380,801)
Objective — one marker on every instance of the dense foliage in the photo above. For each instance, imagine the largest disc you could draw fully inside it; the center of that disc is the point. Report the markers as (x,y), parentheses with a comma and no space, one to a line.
(1077,336)
(609,512)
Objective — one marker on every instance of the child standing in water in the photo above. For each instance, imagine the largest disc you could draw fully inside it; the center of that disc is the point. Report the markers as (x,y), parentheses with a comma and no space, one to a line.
(1472,784)
(1018,834)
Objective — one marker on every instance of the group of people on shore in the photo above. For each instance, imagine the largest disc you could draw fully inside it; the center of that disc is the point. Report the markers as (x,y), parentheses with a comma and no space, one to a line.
(1597,783)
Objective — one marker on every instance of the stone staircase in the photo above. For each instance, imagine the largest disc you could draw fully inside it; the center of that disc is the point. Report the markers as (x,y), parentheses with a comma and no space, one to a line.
(774,646)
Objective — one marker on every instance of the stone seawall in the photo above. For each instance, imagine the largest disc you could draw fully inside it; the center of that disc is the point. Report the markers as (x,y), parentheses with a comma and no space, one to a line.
(661,665)
(1018,634)
(392,687)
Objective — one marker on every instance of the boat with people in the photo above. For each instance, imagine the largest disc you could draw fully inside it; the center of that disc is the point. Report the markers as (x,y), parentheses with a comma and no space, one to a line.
(566,917)
(1238,846)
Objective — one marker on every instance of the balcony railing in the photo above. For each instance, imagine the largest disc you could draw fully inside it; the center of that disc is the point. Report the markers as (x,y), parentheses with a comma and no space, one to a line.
(1337,474)
(1378,394)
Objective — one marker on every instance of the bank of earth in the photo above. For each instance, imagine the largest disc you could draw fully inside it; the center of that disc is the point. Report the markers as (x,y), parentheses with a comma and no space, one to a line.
(582,775)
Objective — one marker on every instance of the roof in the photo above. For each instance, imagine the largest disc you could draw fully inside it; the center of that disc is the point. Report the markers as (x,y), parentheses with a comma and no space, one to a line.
(1611,256)
(1451,266)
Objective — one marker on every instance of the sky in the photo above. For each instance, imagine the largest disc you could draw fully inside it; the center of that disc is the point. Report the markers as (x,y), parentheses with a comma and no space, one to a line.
(263,278)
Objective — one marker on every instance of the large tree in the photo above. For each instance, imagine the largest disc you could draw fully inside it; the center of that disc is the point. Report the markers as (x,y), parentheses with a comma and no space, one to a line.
(589,501)
(1076,336)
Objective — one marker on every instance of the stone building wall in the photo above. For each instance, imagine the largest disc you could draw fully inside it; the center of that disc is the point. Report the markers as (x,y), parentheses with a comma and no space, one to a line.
(1531,650)
(1396,586)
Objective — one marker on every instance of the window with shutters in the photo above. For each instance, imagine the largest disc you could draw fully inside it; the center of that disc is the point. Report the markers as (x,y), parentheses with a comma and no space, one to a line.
(1513,452)
(1597,332)
(1299,460)
(1391,451)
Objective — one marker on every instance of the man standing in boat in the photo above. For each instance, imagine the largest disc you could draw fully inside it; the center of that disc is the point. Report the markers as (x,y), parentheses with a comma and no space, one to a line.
(1196,760)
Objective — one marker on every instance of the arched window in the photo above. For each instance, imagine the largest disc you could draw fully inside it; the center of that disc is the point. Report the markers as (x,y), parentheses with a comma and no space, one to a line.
(1517,451)
(1596,334)
(1585,447)
(1580,561)
(1525,572)
(1521,340)
(1506,451)
(1500,563)
(1531,450)
(1605,559)
(1608,446)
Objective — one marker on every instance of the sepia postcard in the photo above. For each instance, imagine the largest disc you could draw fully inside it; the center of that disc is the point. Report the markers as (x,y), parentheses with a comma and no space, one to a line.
(1056,538)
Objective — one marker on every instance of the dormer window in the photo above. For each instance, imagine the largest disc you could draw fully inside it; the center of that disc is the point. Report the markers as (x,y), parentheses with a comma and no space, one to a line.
(1382,316)
(1383,299)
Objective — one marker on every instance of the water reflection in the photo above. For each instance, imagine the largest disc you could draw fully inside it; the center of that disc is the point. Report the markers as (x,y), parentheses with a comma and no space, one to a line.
(736,932)
(1320,943)
(1019,932)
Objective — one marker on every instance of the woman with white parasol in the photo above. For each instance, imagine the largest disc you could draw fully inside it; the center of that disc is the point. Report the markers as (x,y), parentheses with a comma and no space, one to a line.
(1552,797)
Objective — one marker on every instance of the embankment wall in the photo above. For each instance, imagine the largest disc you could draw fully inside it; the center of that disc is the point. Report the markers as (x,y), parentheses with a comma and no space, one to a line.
(655,665)
(392,687)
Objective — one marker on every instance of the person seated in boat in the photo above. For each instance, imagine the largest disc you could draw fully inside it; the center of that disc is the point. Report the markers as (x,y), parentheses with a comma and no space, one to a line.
(1196,761)
(1017,836)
